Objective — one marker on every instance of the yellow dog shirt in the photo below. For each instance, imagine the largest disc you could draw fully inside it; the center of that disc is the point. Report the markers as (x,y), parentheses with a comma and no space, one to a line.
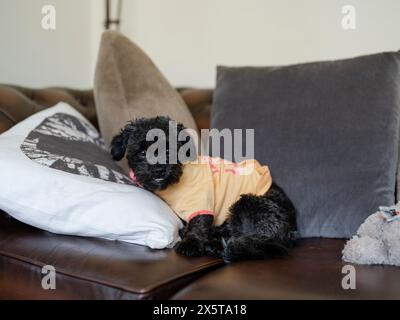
(211,185)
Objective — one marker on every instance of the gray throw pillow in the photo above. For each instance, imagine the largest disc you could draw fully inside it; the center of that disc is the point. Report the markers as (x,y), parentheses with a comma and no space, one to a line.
(329,132)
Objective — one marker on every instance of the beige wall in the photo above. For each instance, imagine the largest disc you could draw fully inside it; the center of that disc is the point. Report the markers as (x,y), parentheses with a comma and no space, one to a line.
(188,38)
(32,56)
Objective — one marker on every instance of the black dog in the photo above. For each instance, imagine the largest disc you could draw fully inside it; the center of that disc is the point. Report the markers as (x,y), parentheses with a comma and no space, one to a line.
(257,227)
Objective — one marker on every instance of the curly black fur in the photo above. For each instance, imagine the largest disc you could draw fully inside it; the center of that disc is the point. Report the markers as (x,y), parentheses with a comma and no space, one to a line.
(196,236)
(132,141)
(258,227)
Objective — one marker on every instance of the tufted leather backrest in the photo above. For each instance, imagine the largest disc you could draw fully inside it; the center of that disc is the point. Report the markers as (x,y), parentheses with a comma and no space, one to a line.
(18,103)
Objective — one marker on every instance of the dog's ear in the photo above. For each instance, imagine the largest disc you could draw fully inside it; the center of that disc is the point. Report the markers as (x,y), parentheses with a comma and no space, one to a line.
(120,142)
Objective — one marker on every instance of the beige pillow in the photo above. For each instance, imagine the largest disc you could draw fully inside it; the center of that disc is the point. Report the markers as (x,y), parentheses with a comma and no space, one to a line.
(128,85)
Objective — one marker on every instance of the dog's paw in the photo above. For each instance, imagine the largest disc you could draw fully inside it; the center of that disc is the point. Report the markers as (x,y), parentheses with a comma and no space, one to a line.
(214,248)
(191,247)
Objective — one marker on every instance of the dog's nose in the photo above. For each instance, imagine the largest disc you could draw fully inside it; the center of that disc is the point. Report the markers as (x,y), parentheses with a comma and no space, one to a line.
(157,170)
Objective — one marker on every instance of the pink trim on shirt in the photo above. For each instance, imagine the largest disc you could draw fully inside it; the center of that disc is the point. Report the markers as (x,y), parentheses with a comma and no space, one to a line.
(133,177)
(198,213)
(235,172)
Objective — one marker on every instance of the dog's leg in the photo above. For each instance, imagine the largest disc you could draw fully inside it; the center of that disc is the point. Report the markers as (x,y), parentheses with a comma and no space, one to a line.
(217,240)
(261,226)
(195,236)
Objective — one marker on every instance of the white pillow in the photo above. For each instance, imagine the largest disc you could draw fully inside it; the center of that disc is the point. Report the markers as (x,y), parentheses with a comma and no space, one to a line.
(57,175)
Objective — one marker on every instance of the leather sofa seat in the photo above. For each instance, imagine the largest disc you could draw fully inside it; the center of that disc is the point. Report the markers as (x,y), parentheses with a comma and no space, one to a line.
(89,268)
(313,270)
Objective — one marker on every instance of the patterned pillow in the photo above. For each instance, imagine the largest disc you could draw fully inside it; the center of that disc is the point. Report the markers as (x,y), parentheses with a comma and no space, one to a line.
(66,143)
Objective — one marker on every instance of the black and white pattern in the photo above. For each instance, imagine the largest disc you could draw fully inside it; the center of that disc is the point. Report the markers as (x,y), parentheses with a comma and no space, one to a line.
(66,143)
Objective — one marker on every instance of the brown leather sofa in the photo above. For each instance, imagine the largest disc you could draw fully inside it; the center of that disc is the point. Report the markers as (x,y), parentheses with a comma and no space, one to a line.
(89,268)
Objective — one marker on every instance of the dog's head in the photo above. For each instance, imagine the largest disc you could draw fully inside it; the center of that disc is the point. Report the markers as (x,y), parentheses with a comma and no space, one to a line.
(151,146)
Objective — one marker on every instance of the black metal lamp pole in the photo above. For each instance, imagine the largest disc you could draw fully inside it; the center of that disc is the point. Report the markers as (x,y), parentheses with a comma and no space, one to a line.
(116,22)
